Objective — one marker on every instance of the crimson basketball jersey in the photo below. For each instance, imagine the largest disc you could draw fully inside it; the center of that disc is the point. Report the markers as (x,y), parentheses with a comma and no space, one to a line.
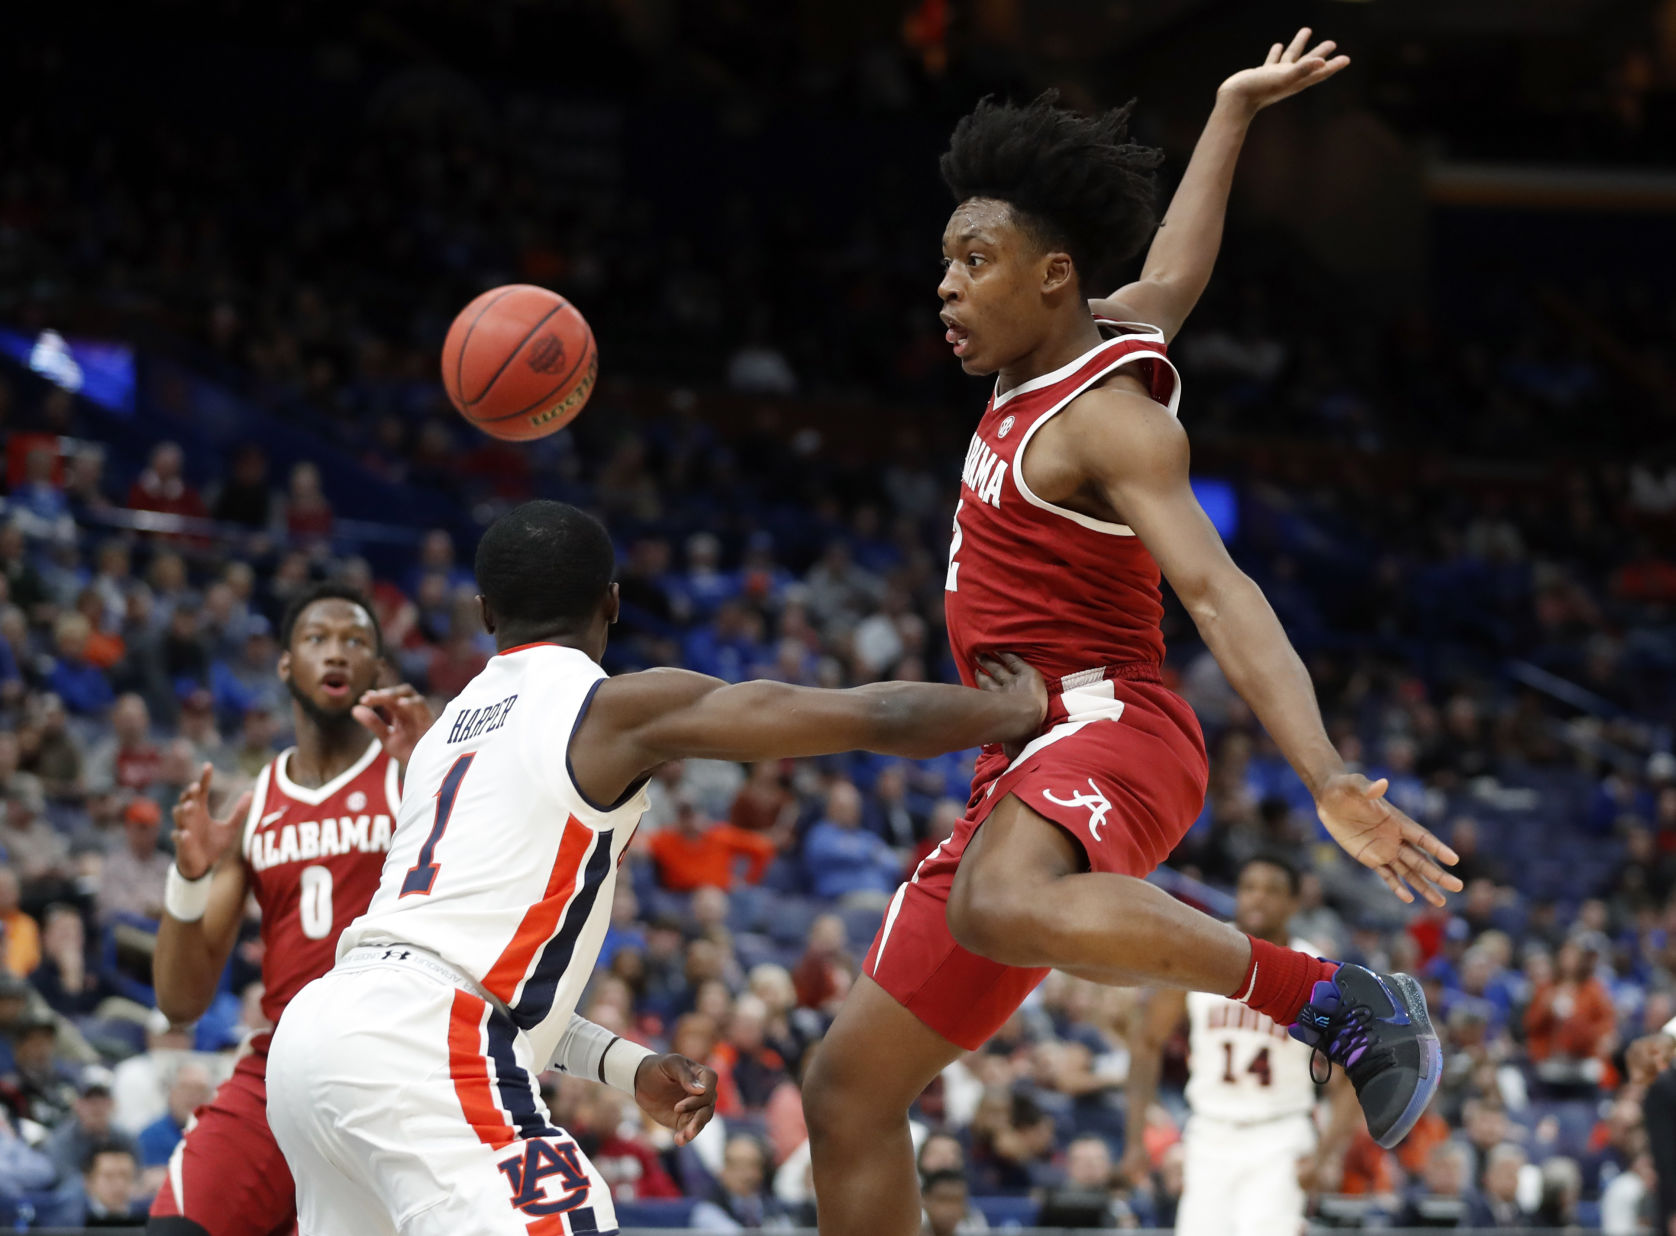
(1065,592)
(313,859)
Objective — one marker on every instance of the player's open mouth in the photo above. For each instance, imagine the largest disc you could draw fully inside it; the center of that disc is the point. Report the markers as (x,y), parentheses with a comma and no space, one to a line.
(959,336)
(336,686)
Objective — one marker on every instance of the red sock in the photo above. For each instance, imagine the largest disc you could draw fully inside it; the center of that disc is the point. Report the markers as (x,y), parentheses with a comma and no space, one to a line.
(1279,980)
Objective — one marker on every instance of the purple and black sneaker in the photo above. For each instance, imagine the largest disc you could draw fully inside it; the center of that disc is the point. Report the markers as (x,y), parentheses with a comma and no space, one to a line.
(1376,1028)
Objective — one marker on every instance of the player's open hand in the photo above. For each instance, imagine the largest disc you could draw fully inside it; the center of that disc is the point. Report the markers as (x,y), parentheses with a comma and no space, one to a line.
(1377,835)
(397,716)
(678,1093)
(1008,675)
(1286,71)
(200,839)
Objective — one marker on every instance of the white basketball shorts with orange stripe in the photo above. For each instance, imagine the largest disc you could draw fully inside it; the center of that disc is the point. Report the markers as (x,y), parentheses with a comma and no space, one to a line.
(407,1104)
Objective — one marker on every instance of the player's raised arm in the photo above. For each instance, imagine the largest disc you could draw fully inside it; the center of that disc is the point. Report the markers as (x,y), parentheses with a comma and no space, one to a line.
(203,903)
(1179,263)
(639,721)
(1137,455)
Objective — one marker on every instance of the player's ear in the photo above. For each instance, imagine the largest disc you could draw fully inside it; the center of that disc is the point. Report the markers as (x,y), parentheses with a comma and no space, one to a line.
(283,669)
(488,615)
(1058,273)
(613,603)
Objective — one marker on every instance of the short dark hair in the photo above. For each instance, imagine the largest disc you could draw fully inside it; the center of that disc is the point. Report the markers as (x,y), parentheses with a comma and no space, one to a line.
(1283,862)
(328,590)
(105,1146)
(545,566)
(1075,182)
(944,1175)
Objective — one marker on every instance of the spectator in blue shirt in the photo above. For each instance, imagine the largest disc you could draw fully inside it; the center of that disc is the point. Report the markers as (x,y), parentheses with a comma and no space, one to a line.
(82,686)
(843,859)
(190,1090)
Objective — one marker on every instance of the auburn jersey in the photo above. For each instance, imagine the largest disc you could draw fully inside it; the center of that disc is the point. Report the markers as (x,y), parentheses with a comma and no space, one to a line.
(502,866)
(313,859)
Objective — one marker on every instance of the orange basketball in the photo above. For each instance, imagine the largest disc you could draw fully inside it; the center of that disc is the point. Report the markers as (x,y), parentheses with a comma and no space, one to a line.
(519,362)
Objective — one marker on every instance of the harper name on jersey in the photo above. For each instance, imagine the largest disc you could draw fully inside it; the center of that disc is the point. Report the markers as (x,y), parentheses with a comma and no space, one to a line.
(500,865)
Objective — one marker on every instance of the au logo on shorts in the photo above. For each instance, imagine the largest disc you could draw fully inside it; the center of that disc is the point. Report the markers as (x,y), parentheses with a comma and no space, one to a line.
(1097,803)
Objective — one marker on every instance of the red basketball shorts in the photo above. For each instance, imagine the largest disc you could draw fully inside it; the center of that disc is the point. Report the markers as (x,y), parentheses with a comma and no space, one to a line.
(227,1174)
(1121,768)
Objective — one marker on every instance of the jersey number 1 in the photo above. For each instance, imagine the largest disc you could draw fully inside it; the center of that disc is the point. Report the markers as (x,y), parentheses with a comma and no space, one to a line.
(422,874)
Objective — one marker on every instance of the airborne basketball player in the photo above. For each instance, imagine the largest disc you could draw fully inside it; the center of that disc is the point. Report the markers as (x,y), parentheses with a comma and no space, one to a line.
(1252,1145)
(1075,495)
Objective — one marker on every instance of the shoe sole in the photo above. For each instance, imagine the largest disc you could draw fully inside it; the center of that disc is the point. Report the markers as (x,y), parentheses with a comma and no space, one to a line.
(1431,1071)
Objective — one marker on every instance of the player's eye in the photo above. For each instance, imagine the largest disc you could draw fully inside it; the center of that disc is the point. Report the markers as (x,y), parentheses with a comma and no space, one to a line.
(944,263)
(975,259)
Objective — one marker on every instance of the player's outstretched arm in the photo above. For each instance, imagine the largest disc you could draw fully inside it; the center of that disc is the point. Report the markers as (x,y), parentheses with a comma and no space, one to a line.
(1136,453)
(640,721)
(1179,263)
(204,903)
(1150,1030)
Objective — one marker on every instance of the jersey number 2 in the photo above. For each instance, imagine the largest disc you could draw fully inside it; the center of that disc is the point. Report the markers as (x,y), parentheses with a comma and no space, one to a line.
(422,874)
(952,583)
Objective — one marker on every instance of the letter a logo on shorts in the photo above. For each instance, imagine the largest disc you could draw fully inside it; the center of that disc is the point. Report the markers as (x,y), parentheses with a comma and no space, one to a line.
(1097,803)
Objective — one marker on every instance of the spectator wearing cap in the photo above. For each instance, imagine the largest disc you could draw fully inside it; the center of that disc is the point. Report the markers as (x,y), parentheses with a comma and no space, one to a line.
(135,870)
(89,1124)
(129,758)
(189,1089)
(20,936)
(65,979)
(843,860)
(695,852)
(109,1182)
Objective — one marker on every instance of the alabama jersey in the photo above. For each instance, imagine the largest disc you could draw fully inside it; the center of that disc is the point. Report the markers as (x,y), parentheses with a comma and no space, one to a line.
(1241,1066)
(500,865)
(1066,592)
(313,858)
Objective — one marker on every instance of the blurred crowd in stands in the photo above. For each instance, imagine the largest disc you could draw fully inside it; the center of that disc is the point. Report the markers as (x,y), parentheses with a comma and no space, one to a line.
(1466,519)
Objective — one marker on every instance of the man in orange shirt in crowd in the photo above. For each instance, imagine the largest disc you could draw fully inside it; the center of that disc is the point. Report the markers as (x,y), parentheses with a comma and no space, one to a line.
(693,852)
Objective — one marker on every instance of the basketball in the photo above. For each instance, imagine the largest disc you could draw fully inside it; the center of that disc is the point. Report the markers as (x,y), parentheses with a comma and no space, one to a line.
(519,362)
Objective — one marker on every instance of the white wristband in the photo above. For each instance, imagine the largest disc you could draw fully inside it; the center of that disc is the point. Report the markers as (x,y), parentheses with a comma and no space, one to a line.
(592,1051)
(185,899)
(622,1064)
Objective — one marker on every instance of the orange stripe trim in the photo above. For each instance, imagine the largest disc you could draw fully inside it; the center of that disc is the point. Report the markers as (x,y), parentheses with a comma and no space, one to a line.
(542,919)
(469,1069)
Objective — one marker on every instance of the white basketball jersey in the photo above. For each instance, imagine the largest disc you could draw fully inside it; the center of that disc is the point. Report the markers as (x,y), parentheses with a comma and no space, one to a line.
(1241,1066)
(500,865)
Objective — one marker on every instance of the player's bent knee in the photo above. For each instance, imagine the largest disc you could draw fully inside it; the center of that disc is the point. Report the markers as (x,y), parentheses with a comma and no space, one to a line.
(174,1225)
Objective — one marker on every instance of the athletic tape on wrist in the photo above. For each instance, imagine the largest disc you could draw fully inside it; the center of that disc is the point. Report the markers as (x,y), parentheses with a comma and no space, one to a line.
(591,1051)
(185,899)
